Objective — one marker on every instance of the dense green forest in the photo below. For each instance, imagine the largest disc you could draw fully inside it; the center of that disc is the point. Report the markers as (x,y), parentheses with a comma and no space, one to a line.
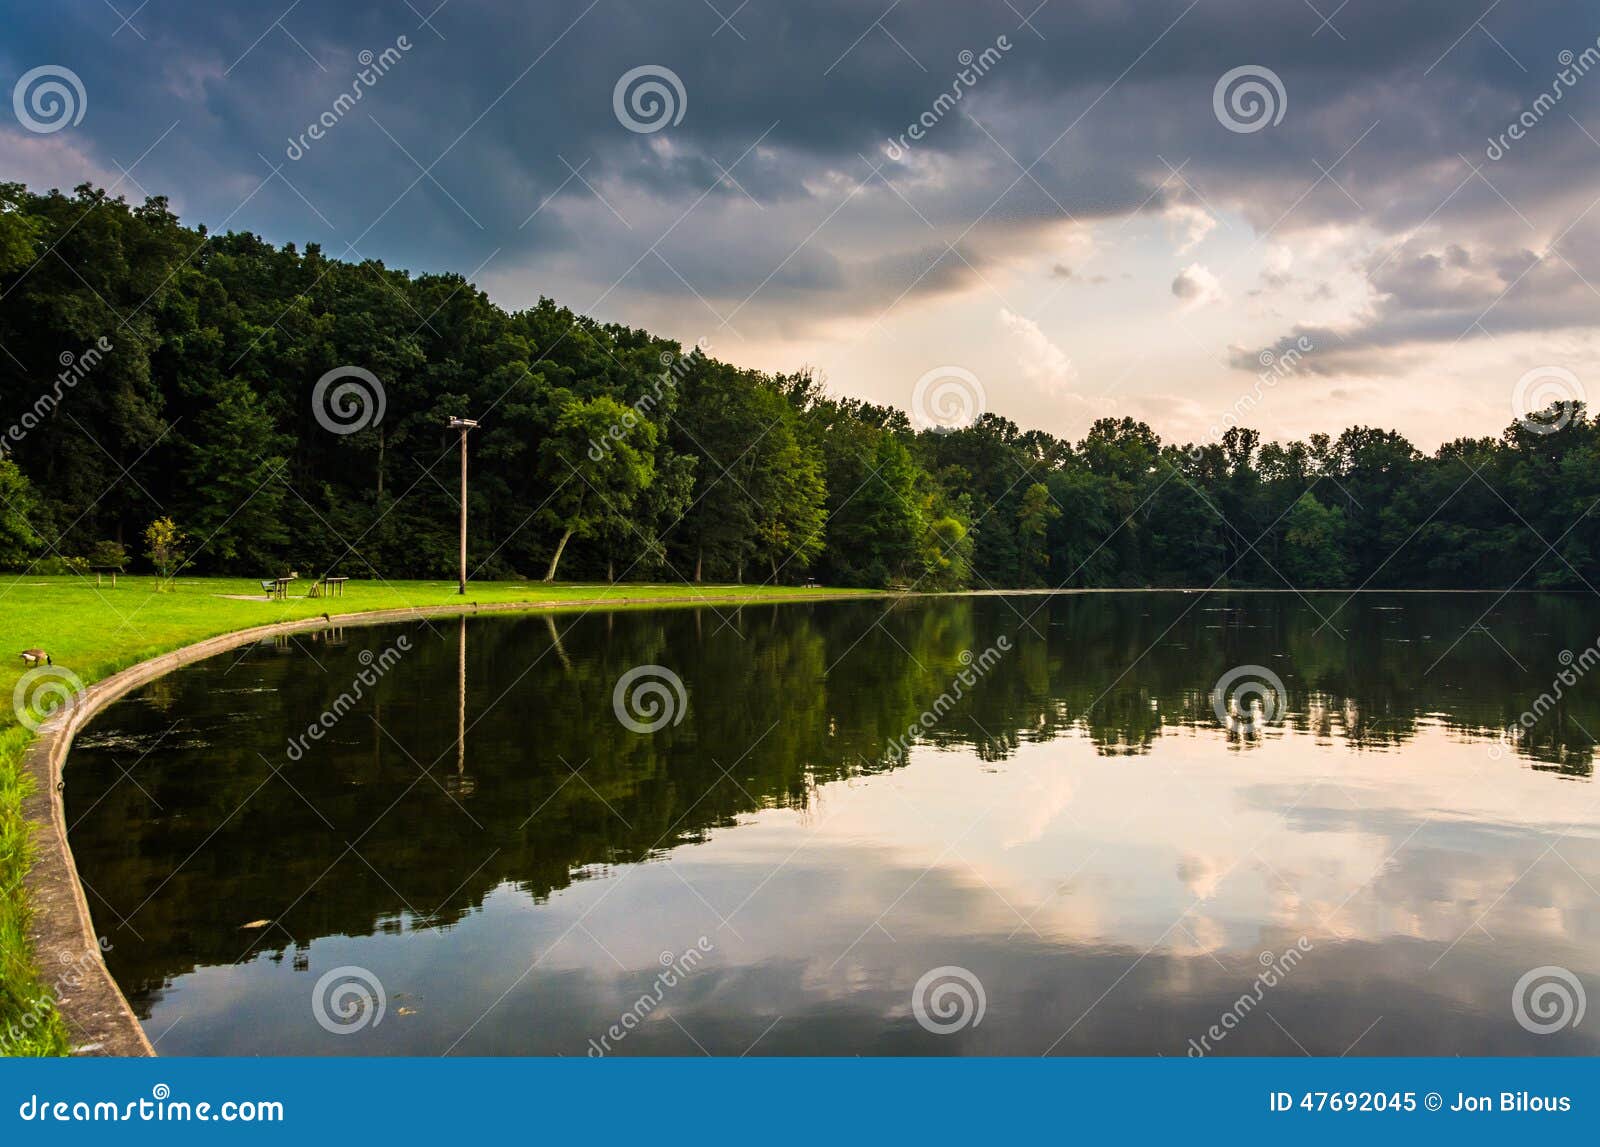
(150,370)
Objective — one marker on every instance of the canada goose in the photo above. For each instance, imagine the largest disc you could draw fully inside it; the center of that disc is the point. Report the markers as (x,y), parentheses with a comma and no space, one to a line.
(34,656)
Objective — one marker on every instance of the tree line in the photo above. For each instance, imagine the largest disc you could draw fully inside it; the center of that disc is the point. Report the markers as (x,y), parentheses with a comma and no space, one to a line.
(270,408)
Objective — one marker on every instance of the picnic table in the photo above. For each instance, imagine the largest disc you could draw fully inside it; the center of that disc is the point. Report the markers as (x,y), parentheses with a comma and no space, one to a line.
(277,587)
(328,587)
(112,570)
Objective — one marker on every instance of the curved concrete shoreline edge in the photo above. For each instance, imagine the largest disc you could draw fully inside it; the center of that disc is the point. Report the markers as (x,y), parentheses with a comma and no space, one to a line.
(61,926)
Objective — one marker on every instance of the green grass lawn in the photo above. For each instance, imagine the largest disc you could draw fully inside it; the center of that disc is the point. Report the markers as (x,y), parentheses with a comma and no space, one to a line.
(95,631)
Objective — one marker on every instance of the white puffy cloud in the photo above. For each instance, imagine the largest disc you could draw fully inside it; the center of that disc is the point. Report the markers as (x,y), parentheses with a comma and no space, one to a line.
(1043,363)
(1198,287)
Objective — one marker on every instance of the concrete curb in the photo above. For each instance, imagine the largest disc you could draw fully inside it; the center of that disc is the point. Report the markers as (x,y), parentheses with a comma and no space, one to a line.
(62,929)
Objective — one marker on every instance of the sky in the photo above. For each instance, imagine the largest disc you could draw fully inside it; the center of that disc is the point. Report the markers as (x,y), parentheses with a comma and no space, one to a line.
(1296,216)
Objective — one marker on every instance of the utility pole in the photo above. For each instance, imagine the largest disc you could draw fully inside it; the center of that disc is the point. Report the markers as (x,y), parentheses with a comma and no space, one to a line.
(463,425)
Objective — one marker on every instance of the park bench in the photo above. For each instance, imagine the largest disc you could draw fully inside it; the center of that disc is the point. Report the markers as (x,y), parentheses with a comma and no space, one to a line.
(277,587)
(327,587)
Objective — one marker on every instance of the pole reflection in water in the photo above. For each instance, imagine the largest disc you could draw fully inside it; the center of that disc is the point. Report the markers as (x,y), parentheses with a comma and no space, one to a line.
(461,709)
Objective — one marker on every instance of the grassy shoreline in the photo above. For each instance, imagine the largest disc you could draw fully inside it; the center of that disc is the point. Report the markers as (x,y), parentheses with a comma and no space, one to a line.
(95,631)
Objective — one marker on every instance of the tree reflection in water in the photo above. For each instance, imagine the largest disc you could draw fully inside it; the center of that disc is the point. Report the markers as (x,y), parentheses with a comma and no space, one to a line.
(491,759)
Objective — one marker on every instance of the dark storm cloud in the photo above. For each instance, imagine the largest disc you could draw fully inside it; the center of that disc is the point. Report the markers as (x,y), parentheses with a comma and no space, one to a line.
(493,136)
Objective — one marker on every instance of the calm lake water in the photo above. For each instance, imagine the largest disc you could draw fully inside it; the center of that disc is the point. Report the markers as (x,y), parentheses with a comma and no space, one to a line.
(1076,854)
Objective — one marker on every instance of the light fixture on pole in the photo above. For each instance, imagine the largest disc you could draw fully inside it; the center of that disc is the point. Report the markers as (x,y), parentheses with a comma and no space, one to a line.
(463,425)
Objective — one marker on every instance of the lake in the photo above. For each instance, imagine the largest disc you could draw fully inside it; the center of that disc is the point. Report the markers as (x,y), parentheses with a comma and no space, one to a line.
(1106,823)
